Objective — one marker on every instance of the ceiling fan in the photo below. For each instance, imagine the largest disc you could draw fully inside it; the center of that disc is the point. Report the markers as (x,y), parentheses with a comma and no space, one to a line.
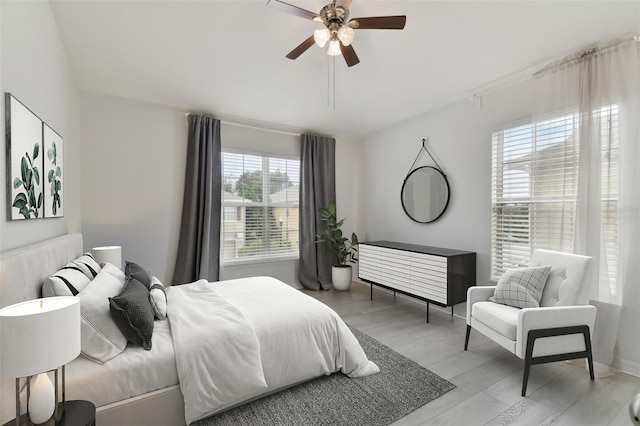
(339,29)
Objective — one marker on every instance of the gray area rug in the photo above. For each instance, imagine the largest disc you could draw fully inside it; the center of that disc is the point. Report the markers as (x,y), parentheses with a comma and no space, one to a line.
(401,387)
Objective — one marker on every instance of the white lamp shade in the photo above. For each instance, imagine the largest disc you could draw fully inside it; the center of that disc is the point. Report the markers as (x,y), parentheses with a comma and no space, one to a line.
(39,335)
(110,254)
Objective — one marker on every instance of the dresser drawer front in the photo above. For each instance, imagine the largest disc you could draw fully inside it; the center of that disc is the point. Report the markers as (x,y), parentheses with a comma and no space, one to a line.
(395,281)
(429,261)
(369,262)
(429,277)
(366,250)
(368,271)
(425,275)
(431,293)
(396,269)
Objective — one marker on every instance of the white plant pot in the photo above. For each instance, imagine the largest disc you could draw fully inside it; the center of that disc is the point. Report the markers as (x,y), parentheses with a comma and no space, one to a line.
(341,277)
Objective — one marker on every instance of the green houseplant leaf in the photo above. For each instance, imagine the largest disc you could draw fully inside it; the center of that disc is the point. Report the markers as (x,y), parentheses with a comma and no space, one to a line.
(344,250)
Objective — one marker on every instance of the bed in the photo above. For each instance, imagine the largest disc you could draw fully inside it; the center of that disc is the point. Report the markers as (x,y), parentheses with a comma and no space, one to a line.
(273,337)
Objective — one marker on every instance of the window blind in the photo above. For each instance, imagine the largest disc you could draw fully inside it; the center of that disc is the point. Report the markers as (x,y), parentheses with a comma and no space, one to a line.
(260,207)
(535,172)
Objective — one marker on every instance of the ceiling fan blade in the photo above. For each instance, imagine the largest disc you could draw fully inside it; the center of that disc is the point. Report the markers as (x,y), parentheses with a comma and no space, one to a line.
(291,9)
(378,23)
(302,47)
(349,55)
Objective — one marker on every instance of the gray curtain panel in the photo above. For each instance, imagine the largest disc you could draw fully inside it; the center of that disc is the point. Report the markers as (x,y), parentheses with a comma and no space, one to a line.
(317,190)
(199,242)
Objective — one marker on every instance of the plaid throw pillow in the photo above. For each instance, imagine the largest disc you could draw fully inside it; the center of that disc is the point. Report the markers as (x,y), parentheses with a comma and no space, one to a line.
(521,287)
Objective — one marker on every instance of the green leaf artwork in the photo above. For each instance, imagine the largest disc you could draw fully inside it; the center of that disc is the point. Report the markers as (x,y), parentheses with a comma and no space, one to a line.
(54,179)
(26,201)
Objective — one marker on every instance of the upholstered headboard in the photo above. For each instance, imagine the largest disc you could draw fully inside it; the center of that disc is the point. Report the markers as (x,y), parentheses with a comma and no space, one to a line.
(23,270)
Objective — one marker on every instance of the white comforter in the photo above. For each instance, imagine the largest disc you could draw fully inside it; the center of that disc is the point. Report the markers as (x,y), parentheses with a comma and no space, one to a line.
(237,339)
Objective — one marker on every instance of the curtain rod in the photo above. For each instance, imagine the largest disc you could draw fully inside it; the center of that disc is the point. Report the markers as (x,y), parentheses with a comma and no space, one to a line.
(524,74)
(587,52)
(269,127)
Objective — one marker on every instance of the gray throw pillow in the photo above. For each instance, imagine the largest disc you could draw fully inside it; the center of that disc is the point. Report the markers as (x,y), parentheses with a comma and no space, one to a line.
(521,287)
(132,313)
(136,271)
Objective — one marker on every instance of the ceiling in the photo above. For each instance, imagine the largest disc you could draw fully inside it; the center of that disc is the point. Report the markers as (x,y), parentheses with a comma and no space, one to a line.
(227,58)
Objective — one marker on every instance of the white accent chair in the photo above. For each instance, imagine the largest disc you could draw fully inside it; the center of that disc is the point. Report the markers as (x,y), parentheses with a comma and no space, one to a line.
(560,329)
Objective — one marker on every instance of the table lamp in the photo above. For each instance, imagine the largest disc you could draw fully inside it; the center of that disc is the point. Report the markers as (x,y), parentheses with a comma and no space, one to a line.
(36,337)
(111,254)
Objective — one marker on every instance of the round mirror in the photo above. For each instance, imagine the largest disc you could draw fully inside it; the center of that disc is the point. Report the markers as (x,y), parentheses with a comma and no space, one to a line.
(425,194)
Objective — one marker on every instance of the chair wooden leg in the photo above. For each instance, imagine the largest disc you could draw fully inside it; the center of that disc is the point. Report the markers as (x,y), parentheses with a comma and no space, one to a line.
(587,344)
(466,339)
(530,360)
(527,361)
(525,378)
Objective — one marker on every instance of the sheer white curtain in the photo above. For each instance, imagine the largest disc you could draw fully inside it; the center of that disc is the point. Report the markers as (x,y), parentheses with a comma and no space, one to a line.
(594,95)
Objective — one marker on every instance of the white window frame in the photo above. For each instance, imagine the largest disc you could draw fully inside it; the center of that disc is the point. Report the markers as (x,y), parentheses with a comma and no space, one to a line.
(525,243)
(266,257)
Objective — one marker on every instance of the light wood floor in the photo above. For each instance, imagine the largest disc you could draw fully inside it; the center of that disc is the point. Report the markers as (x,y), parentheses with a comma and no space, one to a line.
(488,377)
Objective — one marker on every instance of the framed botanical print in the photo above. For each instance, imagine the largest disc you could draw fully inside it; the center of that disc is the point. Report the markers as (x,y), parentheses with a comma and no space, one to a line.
(53,150)
(24,161)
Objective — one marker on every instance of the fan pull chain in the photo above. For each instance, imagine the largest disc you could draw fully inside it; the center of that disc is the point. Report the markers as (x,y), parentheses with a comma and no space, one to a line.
(331,82)
(333,63)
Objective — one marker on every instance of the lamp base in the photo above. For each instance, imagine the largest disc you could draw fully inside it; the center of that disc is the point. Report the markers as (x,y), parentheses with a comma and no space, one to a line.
(46,409)
(42,401)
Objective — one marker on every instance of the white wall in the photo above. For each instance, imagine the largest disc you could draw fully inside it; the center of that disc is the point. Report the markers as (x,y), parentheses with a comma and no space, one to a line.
(348,160)
(133,161)
(34,69)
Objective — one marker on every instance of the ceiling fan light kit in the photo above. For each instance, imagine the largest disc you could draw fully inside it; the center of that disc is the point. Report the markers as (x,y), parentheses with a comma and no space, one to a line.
(339,30)
(334,48)
(346,35)
(321,37)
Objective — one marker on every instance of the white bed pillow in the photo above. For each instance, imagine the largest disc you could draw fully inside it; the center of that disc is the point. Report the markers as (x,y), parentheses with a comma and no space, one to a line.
(67,281)
(113,270)
(88,265)
(102,340)
(158,299)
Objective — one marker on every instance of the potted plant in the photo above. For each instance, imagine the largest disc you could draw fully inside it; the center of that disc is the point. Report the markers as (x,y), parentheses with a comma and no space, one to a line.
(344,250)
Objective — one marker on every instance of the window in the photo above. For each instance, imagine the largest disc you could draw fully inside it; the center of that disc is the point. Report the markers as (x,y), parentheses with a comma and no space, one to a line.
(535,190)
(260,207)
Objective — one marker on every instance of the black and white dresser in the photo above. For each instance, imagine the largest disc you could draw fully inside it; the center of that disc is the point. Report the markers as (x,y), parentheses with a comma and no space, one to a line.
(435,275)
